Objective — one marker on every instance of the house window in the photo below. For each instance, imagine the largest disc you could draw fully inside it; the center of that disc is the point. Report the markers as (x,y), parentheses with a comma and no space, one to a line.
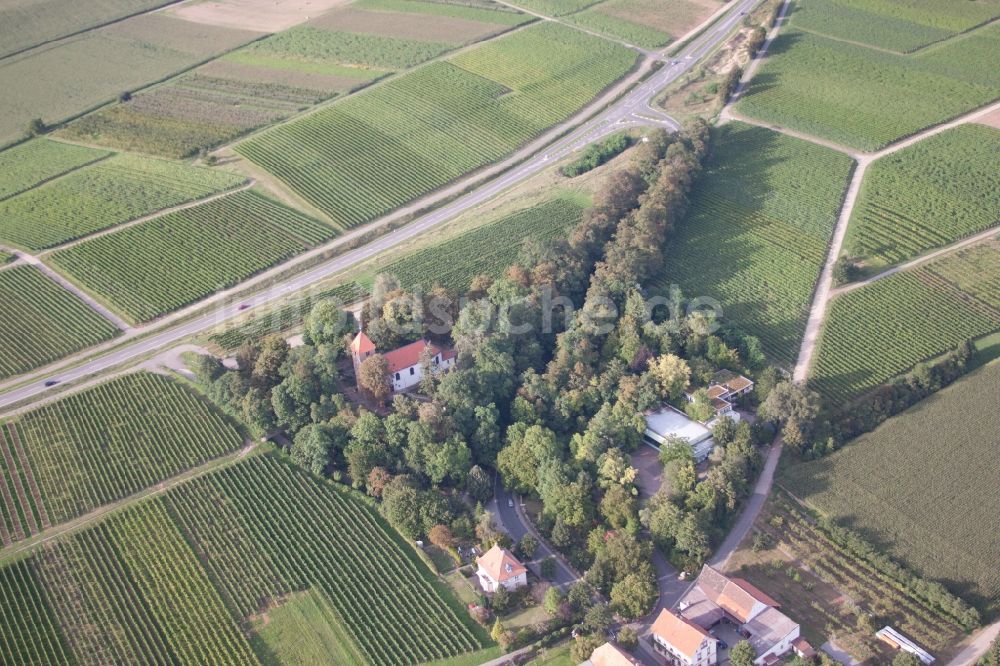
(397,376)
(411,372)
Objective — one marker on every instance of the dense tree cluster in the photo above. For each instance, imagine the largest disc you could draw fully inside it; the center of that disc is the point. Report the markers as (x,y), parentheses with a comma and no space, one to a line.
(556,412)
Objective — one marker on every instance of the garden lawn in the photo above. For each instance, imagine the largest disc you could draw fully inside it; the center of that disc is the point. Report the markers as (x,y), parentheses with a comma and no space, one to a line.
(369,154)
(42,322)
(756,233)
(303,629)
(113,191)
(865,98)
(928,195)
(921,485)
(175,259)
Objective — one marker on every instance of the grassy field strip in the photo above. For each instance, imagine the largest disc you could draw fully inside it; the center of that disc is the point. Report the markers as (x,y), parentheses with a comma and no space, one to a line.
(892,26)
(78,75)
(82,295)
(926,507)
(140,220)
(868,99)
(179,258)
(954,247)
(116,190)
(921,314)
(18,549)
(253,524)
(278,77)
(35,24)
(34,163)
(824,289)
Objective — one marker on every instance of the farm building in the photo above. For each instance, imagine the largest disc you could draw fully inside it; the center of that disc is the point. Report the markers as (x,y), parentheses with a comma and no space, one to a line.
(498,567)
(682,642)
(898,641)
(404,363)
(609,655)
(670,423)
(723,392)
(715,600)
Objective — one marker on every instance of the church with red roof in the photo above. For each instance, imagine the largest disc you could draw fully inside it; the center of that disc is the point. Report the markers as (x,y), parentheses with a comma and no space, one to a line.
(404,363)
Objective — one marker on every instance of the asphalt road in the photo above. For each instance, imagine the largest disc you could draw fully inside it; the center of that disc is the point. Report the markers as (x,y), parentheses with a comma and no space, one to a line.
(633,109)
(512,523)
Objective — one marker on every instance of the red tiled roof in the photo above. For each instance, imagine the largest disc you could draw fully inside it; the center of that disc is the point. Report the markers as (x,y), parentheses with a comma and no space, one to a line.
(725,593)
(408,355)
(804,648)
(499,564)
(685,636)
(609,655)
(756,592)
(361,344)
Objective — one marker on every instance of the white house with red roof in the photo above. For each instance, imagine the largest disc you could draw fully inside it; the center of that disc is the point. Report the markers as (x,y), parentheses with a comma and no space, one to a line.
(404,363)
(498,567)
(682,642)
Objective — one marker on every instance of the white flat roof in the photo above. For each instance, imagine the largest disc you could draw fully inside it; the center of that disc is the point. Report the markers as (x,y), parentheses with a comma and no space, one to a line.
(668,422)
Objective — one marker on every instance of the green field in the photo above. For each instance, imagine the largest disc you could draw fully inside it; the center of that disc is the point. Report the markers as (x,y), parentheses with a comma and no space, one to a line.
(176,259)
(6,257)
(106,443)
(316,45)
(365,156)
(489,249)
(285,317)
(484,12)
(865,98)
(257,524)
(556,7)
(897,25)
(303,629)
(34,162)
(42,322)
(928,195)
(269,80)
(129,590)
(883,329)
(648,23)
(920,485)
(60,81)
(173,579)
(26,23)
(115,190)
(757,232)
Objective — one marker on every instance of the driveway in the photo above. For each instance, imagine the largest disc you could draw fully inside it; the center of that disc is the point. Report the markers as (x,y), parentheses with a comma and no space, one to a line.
(512,521)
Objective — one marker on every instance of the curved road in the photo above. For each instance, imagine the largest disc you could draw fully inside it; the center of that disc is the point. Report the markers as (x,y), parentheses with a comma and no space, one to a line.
(633,109)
